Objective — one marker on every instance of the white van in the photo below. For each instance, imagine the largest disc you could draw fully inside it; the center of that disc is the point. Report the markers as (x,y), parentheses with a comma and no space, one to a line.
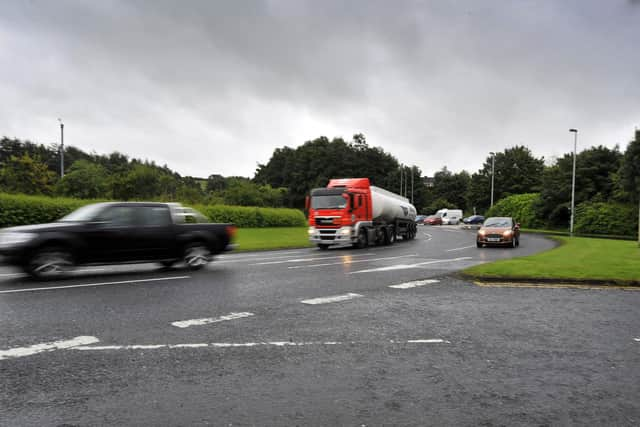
(450,216)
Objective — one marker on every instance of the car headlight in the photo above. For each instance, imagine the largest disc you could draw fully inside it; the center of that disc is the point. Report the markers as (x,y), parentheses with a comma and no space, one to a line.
(482,232)
(507,233)
(11,238)
(311,231)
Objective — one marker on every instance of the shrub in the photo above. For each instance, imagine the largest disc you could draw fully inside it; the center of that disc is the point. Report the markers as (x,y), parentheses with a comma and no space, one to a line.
(521,207)
(18,209)
(244,216)
(606,218)
(21,210)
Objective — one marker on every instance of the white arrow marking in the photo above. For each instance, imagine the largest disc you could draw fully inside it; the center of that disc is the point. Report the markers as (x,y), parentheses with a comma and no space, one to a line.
(48,346)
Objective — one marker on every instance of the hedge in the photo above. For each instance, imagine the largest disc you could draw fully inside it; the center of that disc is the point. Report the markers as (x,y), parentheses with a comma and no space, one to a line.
(521,207)
(606,218)
(20,210)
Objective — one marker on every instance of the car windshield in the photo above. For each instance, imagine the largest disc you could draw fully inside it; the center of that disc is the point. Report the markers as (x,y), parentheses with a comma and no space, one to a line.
(84,214)
(328,202)
(498,222)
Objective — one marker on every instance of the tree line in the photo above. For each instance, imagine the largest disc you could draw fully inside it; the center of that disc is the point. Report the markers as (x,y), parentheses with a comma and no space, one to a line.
(602,175)
(30,168)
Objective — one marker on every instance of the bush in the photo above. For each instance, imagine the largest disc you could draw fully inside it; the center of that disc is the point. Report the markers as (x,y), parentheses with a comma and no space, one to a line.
(21,210)
(606,218)
(521,207)
(244,216)
(18,209)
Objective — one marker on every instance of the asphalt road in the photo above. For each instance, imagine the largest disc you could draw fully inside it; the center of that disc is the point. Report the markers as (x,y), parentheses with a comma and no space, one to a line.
(257,339)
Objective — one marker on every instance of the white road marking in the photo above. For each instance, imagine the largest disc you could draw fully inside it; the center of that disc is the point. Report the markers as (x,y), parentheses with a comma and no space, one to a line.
(208,320)
(88,285)
(247,344)
(460,249)
(428,236)
(637,339)
(258,257)
(352,262)
(414,284)
(12,274)
(49,346)
(335,298)
(451,230)
(409,266)
(311,259)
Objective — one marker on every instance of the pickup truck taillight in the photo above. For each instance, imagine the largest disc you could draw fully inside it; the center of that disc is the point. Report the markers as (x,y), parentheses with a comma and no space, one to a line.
(231,231)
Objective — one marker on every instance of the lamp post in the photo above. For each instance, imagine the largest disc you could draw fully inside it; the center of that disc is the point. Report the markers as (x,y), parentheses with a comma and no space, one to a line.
(493,173)
(573,178)
(61,148)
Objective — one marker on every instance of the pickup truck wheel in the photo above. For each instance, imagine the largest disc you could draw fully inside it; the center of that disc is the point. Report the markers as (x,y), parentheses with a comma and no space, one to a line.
(49,263)
(196,255)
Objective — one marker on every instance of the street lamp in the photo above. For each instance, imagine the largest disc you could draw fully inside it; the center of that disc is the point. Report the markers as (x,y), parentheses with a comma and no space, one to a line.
(61,148)
(573,178)
(493,172)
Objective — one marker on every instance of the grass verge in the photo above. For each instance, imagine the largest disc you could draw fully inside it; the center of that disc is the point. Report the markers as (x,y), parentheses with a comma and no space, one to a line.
(576,259)
(253,239)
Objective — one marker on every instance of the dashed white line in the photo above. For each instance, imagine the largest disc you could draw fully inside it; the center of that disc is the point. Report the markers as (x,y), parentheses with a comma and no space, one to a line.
(409,266)
(460,249)
(349,261)
(311,259)
(88,285)
(637,339)
(326,300)
(414,284)
(49,346)
(216,345)
(208,320)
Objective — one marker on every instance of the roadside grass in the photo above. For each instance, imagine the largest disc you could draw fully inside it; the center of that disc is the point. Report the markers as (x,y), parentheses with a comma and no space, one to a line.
(253,239)
(577,258)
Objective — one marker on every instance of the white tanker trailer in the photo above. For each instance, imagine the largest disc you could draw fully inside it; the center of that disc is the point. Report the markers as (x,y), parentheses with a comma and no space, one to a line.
(350,211)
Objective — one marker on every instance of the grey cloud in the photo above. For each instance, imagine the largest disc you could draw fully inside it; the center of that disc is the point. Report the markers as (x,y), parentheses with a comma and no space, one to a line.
(433,82)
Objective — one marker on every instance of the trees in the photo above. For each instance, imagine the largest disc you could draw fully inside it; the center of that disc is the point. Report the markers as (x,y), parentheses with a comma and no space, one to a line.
(84,180)
(26,175)
(517,171)
(630,173)
(595,168)
(315,162)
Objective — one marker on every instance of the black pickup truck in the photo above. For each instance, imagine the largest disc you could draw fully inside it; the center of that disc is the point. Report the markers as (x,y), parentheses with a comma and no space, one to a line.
(116,232)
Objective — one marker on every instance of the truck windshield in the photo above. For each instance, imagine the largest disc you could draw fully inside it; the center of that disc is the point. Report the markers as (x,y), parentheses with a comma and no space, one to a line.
(328,202)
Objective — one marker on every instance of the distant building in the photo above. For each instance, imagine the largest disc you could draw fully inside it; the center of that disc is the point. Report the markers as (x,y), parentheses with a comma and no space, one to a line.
(428,181)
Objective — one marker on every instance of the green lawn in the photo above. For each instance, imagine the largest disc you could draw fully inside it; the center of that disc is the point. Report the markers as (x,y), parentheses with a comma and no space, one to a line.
(252,239)
(576,258)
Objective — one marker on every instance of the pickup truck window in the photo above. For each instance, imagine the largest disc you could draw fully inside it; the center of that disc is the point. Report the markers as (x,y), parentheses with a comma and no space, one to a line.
(154,215)
(119,216)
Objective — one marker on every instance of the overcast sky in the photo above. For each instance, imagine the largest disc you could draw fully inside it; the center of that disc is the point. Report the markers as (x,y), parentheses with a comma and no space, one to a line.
(215,86)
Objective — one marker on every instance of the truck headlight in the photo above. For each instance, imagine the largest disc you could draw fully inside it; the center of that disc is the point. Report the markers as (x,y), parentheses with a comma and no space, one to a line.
(11,238)
(345,231)
(311,231)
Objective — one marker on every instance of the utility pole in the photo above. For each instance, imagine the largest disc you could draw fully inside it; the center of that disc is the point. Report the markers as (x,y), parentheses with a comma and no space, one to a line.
(493,173)
(573,178)
(411,185)
(61,148)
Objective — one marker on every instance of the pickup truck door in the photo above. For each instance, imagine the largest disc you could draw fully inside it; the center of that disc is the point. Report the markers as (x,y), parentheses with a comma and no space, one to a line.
(112,237)
(156,234)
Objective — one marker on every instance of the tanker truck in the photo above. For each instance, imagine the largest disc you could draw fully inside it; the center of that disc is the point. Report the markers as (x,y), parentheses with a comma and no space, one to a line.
(351,211)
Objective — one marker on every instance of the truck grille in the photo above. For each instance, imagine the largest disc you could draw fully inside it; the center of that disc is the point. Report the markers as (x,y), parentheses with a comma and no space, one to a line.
(327,234)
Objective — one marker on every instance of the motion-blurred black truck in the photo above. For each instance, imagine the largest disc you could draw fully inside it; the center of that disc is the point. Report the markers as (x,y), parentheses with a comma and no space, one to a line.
(116,232)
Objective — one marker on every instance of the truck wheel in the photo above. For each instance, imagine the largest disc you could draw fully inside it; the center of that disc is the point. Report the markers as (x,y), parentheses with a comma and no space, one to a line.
(386,240)
(362,240)
(196,255)
(49,263)
(478,244)
(323,247)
